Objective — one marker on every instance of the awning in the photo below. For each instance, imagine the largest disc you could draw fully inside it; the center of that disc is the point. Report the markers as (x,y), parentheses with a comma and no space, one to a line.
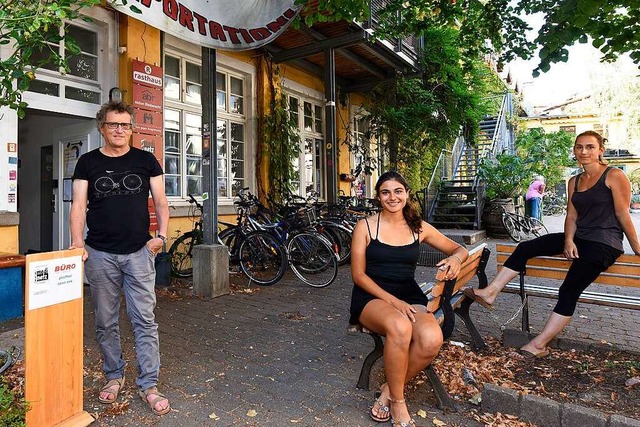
(219,24)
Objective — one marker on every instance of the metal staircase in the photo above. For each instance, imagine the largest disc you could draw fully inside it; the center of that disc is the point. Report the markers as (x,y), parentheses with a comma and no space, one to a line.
(454,197)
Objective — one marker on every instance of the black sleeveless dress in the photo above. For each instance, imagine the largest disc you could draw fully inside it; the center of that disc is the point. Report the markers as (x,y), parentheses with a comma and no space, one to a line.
(393,269)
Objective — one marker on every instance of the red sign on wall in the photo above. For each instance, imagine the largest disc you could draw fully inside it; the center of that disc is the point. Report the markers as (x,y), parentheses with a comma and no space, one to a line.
(147,98)
(150,143)
(153,219)
(147,74)
(148,107)
(148,122)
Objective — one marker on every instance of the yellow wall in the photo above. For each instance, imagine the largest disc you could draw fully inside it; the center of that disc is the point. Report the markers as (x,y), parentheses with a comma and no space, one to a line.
(615,133)
(9,239)
(131,34)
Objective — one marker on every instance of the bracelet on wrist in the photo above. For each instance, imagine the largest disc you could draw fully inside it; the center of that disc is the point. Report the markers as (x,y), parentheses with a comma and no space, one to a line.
(456,257)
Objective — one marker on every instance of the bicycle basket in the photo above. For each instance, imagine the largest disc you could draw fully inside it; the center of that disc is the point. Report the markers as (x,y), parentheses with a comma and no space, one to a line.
(306,216)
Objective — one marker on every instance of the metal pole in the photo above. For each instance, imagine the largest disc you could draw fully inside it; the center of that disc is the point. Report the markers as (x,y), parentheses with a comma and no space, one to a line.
(330,125)
(209,147)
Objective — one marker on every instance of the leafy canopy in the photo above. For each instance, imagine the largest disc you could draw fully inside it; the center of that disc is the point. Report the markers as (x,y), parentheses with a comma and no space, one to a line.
(537,153)
(612,26)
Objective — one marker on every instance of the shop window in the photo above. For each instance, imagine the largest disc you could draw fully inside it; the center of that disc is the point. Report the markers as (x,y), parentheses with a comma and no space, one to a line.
(232,130)
(81,81)
(183,127)
(310,166)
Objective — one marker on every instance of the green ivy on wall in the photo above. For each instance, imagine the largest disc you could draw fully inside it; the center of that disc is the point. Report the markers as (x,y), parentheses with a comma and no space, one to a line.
(281,144)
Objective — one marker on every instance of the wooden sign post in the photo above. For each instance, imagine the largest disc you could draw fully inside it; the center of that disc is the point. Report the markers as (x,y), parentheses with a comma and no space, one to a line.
(54,339)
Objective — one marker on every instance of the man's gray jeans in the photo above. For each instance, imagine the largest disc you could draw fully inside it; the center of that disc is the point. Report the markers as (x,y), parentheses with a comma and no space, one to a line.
(134,275)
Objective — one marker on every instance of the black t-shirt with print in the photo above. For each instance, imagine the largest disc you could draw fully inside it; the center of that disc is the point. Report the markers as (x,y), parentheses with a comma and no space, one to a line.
(118,215)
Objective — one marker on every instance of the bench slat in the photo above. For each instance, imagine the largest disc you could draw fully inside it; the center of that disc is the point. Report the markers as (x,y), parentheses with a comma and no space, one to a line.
(625,272)
(619,301)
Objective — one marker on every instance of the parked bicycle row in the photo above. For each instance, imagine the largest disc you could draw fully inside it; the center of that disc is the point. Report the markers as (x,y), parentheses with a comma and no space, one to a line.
(307,235)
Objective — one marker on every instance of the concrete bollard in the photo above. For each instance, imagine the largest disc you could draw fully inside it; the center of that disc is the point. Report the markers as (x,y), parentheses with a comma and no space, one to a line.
(210,270)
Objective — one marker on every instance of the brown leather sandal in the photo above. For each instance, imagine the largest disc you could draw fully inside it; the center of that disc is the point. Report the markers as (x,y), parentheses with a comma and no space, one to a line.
(112,387)
(153,391)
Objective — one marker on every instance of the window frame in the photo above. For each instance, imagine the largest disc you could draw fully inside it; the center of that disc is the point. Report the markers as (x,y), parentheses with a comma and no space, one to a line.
(176,47)
(304,95)
(103,24)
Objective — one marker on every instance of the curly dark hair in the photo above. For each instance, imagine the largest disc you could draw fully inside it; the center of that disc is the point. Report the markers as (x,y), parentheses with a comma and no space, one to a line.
(118,107)
(414,221)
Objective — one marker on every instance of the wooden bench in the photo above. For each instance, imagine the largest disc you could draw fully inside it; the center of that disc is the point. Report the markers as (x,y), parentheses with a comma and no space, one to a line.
(625,272)
(445,300)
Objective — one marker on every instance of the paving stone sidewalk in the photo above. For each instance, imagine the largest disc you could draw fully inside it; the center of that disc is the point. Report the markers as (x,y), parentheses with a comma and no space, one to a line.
(281,355)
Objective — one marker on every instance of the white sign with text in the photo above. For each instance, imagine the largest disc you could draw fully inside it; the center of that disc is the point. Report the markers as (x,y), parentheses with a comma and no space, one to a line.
(54,281)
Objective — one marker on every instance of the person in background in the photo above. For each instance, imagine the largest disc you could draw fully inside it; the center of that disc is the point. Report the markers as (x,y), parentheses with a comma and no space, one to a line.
(111,188)
(386,298)
(533,198)
(597,217)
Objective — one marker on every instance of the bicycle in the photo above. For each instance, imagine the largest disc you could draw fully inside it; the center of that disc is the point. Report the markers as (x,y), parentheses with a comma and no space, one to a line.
(181,251)
(268,258)
(311,256)
(552,204)
(522,227)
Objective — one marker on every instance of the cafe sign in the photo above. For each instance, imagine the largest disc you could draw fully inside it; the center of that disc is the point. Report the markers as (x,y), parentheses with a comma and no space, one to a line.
(219,24)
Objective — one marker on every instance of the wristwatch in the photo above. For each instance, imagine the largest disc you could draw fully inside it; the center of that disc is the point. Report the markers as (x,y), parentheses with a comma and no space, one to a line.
(163,238)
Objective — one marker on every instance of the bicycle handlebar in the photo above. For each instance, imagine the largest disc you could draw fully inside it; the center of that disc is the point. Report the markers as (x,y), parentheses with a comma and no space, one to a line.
(193,200)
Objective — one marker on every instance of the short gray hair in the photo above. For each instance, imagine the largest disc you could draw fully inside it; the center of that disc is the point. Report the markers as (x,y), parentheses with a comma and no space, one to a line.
(118,107)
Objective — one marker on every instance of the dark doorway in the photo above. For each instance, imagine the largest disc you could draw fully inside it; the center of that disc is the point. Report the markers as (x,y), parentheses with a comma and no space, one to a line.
(47,201)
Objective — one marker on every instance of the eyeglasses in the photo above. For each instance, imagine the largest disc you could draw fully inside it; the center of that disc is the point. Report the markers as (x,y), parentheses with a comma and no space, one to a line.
(114,125)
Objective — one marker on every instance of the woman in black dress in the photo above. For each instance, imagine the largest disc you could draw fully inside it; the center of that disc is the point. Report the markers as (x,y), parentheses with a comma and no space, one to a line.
(386,298)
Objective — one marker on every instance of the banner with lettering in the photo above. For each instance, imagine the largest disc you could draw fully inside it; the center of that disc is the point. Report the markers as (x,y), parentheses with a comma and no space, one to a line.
(219,24)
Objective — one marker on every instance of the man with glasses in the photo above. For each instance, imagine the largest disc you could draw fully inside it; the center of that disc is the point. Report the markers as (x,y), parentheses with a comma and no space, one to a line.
(111,187)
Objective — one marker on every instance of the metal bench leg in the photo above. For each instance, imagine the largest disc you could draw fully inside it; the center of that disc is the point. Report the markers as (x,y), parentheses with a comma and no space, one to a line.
(525,302)
(463,313)
(445,402)
(365,372)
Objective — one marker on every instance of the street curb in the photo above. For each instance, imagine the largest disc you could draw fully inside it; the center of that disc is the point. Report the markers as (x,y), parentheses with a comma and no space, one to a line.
(516,338)
(543,411)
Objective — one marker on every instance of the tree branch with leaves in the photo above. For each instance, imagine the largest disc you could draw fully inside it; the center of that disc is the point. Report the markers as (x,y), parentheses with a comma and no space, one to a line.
(32,29)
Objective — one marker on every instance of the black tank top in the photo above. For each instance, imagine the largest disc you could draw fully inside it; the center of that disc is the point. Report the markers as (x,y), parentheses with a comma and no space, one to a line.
(597,219)
(388,263)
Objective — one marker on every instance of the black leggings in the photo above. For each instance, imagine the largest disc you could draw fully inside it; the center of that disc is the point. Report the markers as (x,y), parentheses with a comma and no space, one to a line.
(594,258)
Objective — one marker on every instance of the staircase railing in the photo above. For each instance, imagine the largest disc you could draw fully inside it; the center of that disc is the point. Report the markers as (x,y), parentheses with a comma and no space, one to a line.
(503,141)
(445,169)
(449,160)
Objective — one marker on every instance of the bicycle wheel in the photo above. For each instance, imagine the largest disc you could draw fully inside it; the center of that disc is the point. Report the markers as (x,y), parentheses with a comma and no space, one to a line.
(231,238)
(342,238)
(181,252)
(535,228)
(513,229)
(262,258)
(313,259)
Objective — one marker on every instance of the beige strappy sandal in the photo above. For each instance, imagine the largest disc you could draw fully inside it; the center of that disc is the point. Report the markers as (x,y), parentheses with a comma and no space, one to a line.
(112,387)
(152,404)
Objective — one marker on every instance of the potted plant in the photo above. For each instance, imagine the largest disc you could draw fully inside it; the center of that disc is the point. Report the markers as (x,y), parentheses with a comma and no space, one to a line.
(505,177)
(635,201)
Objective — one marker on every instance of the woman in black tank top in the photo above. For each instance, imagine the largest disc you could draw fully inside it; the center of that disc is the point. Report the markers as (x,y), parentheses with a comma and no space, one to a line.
(386,298)
(597,217)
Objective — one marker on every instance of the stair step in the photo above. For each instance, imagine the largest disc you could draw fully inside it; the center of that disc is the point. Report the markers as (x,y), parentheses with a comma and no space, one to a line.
(454,225)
